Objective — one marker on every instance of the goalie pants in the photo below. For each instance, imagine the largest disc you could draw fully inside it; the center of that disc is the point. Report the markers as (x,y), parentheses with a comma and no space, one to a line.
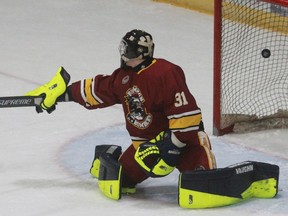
(192,158)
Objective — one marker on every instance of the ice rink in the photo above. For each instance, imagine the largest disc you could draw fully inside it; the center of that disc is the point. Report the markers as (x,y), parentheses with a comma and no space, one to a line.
(45,159)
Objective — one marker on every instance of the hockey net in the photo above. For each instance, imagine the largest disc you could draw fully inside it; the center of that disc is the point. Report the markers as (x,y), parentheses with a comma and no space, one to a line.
(250,65)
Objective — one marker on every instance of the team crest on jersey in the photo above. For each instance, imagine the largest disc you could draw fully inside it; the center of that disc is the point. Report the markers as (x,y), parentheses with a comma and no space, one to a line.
(137,114)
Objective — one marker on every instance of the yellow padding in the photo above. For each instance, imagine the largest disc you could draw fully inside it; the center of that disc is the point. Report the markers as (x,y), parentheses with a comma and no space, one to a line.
(162,168)
(261,189)
(95,168)
(141,155)
(52,90)
(111,188)
(196,199)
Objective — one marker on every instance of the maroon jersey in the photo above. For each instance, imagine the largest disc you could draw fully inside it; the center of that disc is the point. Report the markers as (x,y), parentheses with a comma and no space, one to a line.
(154,99)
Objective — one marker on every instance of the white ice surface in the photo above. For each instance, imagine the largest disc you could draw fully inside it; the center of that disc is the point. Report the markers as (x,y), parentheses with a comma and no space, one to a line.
(45,159)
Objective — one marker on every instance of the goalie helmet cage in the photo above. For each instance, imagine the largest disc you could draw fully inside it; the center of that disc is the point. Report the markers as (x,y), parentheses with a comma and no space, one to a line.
(250,65)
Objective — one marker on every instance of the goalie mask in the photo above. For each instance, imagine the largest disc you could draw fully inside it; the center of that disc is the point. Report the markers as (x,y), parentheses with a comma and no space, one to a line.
(136,44)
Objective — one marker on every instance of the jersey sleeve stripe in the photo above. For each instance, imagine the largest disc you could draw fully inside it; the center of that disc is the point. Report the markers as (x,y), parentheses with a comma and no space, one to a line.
(87,93)
(185,121)
(93,93)
(82,84)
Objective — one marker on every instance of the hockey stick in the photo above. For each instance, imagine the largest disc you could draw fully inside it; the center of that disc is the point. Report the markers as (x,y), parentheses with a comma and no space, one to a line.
(26,101)
(20,101)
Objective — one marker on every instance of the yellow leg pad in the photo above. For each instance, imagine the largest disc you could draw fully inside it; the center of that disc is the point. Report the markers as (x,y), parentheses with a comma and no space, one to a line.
(111,188)
(95,168)
(266,188)
(197,199)
(226,186)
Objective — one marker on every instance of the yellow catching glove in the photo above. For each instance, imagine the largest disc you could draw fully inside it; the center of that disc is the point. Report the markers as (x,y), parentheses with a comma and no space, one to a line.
(159,156)
(51,91)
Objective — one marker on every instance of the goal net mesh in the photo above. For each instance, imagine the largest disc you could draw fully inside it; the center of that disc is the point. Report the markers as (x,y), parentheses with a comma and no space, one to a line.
(254,65)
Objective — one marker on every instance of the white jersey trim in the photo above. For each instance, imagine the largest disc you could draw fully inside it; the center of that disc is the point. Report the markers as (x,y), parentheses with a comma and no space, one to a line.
(186,129)
(93,93)
(194,112)
(82,91)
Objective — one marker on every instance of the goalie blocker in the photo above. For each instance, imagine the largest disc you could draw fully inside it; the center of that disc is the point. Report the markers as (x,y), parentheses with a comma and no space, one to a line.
(196,189)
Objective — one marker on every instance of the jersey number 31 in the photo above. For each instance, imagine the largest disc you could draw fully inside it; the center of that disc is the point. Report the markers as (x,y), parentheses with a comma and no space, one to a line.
(180,99)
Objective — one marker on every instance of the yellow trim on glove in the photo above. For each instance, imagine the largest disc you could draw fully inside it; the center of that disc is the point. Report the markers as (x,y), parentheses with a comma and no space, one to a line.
(141,155)
(162,168)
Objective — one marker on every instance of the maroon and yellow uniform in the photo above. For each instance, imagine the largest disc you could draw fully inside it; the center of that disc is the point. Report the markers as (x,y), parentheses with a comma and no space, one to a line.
(154,97)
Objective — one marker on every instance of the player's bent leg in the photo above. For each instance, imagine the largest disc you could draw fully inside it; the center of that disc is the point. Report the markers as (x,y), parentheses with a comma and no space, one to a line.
(99,149)
(226,186)
(205,143)
(109,171)
(198,156)
(106,157)
(132,172)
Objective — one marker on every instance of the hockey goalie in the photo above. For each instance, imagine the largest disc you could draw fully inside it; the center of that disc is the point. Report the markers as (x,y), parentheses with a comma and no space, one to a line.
(166,130)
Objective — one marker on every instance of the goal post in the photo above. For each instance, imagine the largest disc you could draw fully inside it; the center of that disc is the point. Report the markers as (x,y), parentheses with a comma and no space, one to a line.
(250,65)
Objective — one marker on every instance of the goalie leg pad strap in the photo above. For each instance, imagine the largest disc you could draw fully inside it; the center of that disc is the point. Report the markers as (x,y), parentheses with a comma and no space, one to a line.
(226,186)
